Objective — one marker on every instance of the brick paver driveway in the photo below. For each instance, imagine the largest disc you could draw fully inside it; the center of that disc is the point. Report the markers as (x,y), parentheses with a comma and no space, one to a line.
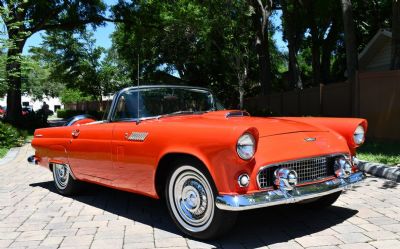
(33,215)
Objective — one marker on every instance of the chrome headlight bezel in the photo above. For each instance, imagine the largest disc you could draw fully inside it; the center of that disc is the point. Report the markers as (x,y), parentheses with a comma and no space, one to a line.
(359,135)
(246,146)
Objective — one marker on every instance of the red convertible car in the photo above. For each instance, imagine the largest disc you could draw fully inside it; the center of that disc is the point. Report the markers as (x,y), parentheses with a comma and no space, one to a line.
(178,143)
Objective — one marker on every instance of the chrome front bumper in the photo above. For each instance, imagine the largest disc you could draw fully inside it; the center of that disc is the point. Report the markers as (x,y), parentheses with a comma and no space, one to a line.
(278,197)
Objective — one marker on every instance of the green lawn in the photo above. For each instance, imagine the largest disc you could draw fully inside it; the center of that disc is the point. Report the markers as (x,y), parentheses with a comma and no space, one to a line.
(3,152)
(380,152)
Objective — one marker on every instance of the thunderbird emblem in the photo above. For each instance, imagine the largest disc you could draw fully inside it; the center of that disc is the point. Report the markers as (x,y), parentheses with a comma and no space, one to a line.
(310,139)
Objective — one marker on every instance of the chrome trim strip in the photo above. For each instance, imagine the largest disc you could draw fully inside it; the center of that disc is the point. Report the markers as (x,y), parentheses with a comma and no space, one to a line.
(279,197)
(299,159)
(143,87)
(237,114)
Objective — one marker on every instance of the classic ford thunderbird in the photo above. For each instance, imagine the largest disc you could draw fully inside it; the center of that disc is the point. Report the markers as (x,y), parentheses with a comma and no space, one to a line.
(178,143)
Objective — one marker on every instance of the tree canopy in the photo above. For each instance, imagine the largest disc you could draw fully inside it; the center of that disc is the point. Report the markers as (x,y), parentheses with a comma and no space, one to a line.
(225,45)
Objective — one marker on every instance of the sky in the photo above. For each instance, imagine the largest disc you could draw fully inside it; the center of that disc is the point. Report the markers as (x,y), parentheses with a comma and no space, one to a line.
(103,39)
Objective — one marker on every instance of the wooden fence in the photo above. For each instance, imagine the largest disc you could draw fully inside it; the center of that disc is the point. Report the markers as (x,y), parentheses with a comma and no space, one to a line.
(374,96)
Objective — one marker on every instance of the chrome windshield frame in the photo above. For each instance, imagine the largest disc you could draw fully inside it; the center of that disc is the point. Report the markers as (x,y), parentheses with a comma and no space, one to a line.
(146,87)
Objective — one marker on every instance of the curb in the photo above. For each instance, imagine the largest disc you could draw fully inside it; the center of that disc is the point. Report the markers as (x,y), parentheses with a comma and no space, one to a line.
(11,155)
(381,170)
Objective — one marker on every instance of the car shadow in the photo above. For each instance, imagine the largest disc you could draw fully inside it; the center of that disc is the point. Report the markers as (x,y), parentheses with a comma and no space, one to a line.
(258,227)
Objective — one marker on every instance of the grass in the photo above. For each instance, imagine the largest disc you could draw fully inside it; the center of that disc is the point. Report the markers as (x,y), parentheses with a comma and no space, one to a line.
(3,152)
(380,152)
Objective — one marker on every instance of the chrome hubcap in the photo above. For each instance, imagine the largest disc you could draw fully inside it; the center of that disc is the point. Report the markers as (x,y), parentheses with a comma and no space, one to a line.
(61,175)
(192,199)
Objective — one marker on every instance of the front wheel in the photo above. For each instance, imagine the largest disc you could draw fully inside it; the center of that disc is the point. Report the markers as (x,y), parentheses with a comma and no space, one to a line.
(190,196)
(63,180)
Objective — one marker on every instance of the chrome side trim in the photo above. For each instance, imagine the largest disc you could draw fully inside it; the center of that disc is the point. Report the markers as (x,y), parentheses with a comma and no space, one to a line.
(279,197)
(237,114)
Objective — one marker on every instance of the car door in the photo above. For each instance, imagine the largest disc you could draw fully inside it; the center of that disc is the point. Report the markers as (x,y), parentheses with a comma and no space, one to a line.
(89,151)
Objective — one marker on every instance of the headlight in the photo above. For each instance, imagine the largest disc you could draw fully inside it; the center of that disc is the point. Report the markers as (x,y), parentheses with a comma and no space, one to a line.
(246,146)
(359,135)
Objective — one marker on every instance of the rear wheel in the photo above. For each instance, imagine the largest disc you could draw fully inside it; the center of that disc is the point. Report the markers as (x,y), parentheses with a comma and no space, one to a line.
(63,180)
(190,196)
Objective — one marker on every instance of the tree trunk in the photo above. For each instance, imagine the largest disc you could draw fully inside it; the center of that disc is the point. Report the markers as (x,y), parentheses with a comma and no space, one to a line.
(351,53)
(327,48)
(261,21)
(315,48)
(294,72)
(395,60)
(13,71)
(350,40)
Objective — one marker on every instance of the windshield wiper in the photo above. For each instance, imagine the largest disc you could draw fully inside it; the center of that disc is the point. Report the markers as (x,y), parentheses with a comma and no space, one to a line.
(179,113)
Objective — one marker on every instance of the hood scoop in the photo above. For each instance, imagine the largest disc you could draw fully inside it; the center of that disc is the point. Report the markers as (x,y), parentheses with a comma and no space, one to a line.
(233,114)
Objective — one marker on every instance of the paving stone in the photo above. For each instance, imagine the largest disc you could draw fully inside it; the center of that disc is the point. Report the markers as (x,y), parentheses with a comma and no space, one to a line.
(84,240)
(9,235)
(24,244)
(351,238)
(370,227)
(52,241)
(199,244)
(381,235)
(393,227)
(106,243)
(87,231)
(357,246)
(139,245)
(347,229)
(32,235)
(285,245)
(5,242)
(84,224)
(308,241)
(386,244)
(171,242)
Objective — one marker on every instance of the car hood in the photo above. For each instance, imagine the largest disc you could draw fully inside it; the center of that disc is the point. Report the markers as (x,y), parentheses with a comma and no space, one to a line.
(265,126)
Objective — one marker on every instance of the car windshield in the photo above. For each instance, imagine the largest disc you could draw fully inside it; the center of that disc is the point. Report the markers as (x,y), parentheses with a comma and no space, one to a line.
(164,101)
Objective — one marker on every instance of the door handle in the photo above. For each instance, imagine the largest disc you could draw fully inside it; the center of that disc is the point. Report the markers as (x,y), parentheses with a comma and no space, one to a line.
(75,133)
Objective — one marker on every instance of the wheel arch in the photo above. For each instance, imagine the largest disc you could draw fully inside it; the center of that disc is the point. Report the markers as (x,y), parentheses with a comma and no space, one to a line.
(165,166)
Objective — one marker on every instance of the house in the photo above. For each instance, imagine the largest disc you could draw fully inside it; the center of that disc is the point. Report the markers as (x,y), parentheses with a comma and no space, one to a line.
(376,55)
(29,101)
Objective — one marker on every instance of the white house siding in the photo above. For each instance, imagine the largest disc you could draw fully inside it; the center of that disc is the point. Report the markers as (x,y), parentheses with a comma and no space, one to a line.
(381,60)
(36,104)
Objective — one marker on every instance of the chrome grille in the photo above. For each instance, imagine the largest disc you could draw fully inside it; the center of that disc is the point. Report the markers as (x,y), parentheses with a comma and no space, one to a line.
(309,169)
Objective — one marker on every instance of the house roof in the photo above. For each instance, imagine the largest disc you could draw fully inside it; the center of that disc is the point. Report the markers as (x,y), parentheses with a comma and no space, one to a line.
(374,46)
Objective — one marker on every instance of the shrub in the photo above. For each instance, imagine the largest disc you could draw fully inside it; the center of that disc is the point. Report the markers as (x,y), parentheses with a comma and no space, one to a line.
(10,136)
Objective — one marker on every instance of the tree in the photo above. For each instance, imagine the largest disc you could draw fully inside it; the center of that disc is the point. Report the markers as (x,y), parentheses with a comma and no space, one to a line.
(261,22)
(22,18)
(395,59)
(350,40)
(294,33)
(74,61)
(206,43)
